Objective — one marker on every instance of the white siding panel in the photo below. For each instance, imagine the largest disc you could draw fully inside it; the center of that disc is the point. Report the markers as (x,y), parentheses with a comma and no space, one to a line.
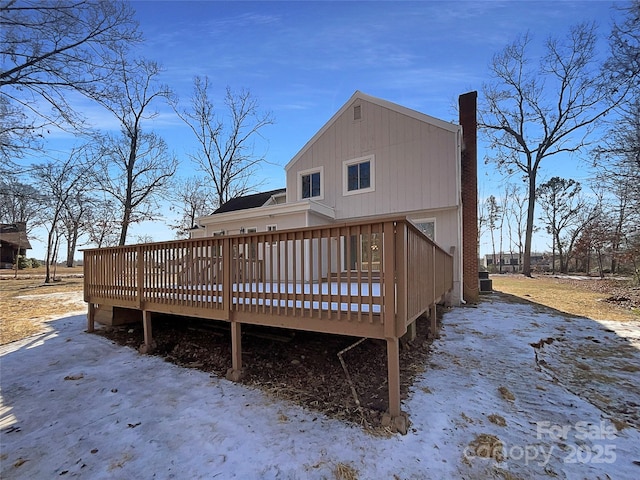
(415,162)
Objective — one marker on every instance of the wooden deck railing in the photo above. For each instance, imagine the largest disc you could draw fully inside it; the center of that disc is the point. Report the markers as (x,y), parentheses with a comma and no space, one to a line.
(368,279)
(362,278)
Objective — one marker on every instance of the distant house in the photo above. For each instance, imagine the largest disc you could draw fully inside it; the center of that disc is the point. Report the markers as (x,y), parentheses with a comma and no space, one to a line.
(13,242)
(372,158)
(510,262)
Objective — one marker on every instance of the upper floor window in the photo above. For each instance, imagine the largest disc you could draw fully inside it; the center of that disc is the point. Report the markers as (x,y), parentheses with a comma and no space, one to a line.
(359,175)
(311,184)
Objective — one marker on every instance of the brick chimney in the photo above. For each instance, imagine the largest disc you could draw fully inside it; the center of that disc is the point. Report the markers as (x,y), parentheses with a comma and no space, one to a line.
(467,109)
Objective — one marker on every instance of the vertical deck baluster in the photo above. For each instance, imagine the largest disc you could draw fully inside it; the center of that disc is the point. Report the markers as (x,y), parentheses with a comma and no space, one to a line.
(302,272)
(285,263)
(359,270)
(370,273)
(329,274)
(318,274)
(347,264)
(267,279)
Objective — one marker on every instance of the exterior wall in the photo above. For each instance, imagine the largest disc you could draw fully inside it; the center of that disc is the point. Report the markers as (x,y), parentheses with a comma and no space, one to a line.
(233,227)
(447,235)
(415,163)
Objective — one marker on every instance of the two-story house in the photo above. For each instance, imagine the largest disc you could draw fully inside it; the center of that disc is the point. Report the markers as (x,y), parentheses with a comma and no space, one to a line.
(372,158)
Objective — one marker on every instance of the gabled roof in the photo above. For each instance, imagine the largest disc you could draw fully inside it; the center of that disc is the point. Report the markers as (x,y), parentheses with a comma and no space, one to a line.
(358,95)
(248,201)
(14,234)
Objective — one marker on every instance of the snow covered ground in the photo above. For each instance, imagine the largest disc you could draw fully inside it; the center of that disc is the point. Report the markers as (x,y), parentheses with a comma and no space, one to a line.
(510,391)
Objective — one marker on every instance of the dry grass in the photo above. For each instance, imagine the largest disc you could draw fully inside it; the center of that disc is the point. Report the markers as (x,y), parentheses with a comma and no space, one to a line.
(487,446)
(506,394)
(343,471)
(565,296)
(26,303)
(498,420)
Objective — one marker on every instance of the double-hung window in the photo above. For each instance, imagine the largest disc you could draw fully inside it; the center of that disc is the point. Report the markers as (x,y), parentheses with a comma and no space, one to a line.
(359,175)
(310,183)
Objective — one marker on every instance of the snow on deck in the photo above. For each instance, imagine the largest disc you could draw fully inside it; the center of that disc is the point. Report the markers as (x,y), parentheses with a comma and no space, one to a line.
(258,294)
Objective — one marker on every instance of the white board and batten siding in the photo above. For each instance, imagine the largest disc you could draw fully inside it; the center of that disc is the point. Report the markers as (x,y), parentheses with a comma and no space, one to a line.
(415,160)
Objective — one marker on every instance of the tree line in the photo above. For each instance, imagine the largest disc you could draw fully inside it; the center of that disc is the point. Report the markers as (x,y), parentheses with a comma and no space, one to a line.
(534,109)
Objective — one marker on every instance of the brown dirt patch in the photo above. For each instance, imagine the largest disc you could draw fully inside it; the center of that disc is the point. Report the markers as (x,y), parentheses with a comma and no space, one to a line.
(302,367)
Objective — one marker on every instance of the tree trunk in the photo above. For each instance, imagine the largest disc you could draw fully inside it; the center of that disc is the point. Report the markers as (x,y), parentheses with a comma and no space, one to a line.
(526,264)
(49,256)
(600,268)
(553,253)
(126,218)
(72,243)
(125,226)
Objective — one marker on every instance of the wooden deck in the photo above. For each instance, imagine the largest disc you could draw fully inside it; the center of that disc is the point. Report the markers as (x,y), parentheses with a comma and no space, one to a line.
(366,279)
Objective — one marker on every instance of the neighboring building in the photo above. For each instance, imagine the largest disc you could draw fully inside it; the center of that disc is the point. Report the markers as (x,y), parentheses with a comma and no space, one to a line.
(510,262)
(372,158)
(13,242)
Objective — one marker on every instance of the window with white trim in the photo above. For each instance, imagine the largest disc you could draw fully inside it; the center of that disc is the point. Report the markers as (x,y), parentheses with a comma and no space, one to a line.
(359,175)
(272,228)
(310,184)
(427,226)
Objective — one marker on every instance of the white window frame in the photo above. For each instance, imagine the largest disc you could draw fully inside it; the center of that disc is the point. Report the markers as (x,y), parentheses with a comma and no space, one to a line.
(345,175)
(310,171)
(272,227)
(427,220)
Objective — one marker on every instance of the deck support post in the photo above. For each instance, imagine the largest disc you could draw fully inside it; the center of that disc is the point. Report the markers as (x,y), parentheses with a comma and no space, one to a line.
(394,417)
(433,319)
(412,331)
(91,317)
(235,372)
(148,345)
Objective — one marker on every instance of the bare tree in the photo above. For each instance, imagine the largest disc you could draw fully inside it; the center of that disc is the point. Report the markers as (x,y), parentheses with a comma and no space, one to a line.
(49,47)
(73,223)
(516,217)
(19,202)
(624,63)
(493,215)
(137,166)
(102,223)
(227,143)
(566,214)
(60,181)
(531,114)
(190,198)
(601,236)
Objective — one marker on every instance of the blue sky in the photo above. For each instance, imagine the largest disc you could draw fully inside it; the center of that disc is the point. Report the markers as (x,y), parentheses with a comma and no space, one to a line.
(304,59)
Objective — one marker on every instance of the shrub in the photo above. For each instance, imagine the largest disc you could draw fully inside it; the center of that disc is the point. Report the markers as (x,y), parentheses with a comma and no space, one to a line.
(23,262)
